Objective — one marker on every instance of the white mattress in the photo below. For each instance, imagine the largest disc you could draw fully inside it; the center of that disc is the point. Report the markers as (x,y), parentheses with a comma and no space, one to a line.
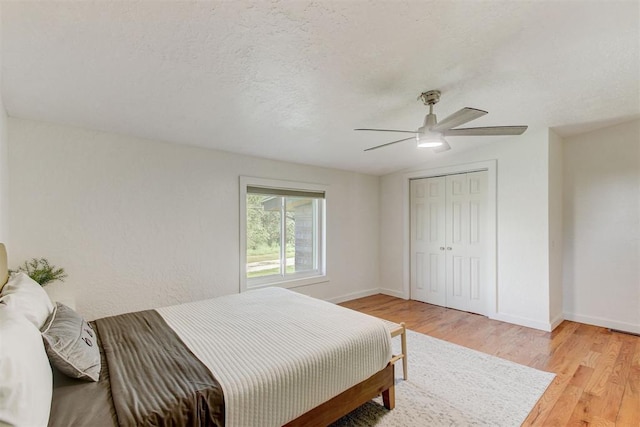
(277,353)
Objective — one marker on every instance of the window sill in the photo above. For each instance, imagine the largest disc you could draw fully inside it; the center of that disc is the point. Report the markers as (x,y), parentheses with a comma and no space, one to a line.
(289,284)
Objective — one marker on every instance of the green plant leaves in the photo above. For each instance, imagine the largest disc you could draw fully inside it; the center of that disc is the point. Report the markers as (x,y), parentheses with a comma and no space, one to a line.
(41,271)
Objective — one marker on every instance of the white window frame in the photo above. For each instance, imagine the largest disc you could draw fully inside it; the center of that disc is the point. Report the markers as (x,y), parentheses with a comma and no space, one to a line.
(315,277)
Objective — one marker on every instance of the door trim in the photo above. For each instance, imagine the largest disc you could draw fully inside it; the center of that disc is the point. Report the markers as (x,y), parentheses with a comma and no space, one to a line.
(492,279)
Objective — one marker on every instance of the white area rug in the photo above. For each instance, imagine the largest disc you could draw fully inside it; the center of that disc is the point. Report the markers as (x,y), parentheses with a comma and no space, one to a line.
(450,385)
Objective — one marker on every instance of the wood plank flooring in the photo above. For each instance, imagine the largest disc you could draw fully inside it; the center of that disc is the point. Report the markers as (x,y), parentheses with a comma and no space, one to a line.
(597,371)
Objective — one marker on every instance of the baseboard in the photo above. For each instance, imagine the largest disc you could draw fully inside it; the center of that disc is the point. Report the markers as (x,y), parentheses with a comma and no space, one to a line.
(603,322)
(556,321)
(523,321)
(393,293)
(354,295)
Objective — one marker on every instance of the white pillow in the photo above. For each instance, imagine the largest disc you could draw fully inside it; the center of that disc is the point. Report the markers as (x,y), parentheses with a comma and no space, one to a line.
(26,381)
(26,296)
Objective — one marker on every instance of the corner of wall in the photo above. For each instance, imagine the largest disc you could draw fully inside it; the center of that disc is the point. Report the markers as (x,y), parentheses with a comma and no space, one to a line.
(555,183)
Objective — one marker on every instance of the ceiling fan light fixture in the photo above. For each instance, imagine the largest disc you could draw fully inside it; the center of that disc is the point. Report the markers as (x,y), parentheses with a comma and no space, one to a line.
(429,143)
(427,139)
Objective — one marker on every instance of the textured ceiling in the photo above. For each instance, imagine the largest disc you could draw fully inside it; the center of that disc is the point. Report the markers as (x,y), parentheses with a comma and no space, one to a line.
(290,80)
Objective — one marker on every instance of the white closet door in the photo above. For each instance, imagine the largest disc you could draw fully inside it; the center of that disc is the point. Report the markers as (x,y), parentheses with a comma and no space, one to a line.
(428,240)
(465,236)
(448,241)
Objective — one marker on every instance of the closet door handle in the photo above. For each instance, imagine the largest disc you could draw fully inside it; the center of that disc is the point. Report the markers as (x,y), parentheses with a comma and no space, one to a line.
(448,248)
(442,248)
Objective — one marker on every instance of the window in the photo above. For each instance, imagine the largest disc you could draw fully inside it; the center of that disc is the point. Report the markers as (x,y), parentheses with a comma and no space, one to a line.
(282,233)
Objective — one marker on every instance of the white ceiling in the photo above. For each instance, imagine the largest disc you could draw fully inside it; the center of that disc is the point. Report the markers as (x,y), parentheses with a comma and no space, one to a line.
(290,80)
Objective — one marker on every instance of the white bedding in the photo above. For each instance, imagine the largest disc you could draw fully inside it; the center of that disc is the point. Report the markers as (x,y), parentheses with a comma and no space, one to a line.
(277,353)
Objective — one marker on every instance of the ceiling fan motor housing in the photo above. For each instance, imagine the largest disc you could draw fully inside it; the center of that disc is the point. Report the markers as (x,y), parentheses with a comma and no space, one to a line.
(429,122)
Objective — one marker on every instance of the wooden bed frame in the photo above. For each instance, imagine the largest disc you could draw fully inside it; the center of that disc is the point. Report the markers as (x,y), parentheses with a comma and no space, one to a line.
(332,410)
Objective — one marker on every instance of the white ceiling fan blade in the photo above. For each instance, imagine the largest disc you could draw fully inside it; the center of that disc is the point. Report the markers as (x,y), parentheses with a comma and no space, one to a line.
(487,131)
(444,147)
(389,130)
(389,143)
(458,118)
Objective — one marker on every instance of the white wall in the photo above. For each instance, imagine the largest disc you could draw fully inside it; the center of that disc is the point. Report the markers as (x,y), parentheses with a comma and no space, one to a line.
(141,224)
(523,226)
(555,229)
(602,227)
(4,176)
(4,161)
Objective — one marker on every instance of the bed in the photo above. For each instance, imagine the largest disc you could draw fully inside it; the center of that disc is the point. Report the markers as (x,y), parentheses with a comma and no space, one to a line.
(268,357)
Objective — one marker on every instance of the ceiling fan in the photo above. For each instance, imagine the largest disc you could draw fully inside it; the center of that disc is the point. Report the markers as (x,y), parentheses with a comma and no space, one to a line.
(431,134)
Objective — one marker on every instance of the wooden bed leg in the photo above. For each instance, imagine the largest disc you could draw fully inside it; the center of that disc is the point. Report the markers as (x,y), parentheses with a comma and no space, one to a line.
(389,398)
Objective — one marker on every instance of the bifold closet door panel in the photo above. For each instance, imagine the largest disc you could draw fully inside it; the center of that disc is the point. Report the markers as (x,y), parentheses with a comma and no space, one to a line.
(428,240)
(466,240)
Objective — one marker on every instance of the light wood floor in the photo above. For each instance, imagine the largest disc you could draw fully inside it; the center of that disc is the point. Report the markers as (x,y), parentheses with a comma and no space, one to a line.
(598,371)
